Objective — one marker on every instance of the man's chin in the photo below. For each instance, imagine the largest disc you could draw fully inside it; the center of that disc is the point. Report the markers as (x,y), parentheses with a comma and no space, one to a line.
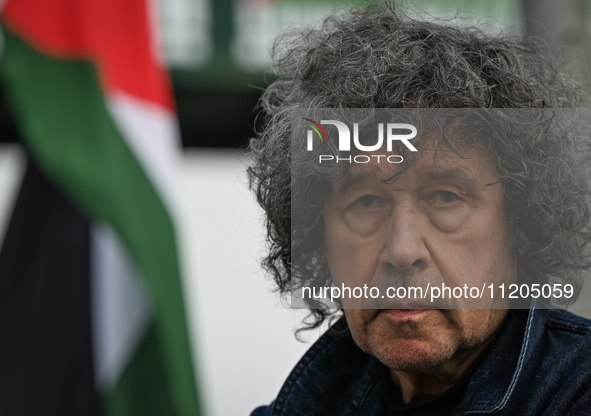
(411,354)
(407,340)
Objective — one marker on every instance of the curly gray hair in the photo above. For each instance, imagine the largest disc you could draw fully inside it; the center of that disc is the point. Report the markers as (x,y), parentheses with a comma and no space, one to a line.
(378,57)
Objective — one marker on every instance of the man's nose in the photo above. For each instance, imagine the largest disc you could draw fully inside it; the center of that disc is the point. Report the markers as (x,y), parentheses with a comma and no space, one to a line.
(406,240)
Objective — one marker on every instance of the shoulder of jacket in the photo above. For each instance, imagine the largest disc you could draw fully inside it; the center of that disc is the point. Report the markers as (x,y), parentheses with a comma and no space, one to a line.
(559,319)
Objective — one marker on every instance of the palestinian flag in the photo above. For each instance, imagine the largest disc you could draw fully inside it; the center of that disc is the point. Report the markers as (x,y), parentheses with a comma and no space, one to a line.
(92,317)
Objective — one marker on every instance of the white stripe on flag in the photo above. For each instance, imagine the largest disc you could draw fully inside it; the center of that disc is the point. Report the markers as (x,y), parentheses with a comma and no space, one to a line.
(151,131)
(120,308)
(12,169)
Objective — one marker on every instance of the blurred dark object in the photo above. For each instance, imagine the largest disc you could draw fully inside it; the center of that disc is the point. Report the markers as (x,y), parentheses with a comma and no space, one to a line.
(45,306)
(215,118)
(215,102)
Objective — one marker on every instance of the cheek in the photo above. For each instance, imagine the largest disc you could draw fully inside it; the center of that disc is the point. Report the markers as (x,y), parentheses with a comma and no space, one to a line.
(481,253)
(477,325)
(358,327)
(351,259)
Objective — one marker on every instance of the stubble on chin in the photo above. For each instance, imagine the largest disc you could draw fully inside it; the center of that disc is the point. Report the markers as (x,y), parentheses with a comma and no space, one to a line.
(429,344)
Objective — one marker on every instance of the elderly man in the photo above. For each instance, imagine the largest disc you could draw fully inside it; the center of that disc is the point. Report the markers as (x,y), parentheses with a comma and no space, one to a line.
(455,190)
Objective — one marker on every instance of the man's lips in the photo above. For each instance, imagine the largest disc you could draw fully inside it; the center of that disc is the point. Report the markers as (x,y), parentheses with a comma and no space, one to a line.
(400,311)
(402,314)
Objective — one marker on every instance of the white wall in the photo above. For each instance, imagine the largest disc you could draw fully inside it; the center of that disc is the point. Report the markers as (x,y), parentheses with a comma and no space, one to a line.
(245,337)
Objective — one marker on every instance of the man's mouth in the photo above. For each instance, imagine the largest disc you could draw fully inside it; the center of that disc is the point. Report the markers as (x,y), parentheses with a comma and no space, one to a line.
(401,314)
(399,311)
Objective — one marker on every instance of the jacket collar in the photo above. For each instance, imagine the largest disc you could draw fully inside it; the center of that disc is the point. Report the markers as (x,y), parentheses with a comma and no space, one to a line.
(333,372)
(493,383)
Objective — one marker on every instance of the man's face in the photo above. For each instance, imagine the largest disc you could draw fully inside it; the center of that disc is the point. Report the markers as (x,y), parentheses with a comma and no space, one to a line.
(441,221)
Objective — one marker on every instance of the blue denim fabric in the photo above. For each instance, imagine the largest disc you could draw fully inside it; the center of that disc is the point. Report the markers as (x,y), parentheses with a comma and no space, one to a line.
(540,364)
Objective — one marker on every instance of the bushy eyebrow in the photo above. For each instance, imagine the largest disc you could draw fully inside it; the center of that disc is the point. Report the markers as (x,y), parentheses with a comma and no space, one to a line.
(451,173)
(352,180)
(455,174)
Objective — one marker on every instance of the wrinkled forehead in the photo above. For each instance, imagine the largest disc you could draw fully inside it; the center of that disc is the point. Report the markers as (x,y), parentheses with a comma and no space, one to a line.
(440,138)
(434,161)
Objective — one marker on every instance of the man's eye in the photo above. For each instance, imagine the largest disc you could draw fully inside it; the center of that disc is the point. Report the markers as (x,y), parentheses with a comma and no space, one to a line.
(367,201)
(444,197)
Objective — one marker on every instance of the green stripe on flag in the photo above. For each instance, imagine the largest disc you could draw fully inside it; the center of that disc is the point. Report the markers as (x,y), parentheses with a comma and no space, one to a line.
(63,116)
(140,390)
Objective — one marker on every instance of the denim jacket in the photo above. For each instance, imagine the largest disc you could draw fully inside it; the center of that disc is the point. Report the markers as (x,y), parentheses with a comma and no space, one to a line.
(540,364)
